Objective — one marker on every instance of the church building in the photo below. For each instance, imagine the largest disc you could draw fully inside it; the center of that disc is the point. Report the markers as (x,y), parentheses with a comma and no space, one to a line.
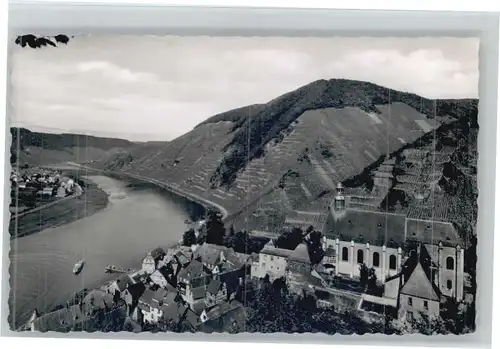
(384,241)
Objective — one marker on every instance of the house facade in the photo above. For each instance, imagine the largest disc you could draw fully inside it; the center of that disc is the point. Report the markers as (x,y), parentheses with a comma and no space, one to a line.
(272,261)
(192,282)
(419,295)
(152,303)
(150,262)
(163,277)
(120,285)
(216,293)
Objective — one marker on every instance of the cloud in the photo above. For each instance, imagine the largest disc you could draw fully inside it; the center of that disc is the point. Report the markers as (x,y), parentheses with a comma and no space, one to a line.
(425,72)
(112,71)
(166,85)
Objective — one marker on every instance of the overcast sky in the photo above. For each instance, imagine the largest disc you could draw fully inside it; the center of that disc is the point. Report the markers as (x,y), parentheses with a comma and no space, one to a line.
(158,88)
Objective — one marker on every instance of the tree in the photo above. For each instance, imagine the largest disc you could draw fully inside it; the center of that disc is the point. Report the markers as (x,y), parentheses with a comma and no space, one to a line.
(189,237)
(315,247)
(289,240)
(368,278)
(230,236)
(215,230)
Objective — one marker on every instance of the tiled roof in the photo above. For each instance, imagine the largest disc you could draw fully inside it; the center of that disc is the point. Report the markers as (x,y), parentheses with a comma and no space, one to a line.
(181,257)
(193,319)
(274,251)
(174,312)
(214,286)
(170,298)
(170,254)
(199,292)
(123,282)
(193,270)
(419,285)
(209,253)
(199,306)
(147,297)
(432,232)
(377,228)
(225,322)
(159,295)
(221,309)
(300,254)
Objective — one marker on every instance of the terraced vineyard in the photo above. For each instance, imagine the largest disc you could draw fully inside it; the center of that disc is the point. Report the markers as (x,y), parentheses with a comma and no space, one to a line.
(298,169)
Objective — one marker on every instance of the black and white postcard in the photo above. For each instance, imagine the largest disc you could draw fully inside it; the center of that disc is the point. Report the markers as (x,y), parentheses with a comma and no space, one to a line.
(243,184)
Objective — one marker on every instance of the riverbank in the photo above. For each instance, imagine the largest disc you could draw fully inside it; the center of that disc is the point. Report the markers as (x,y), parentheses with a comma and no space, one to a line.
(163,185)
(92,200)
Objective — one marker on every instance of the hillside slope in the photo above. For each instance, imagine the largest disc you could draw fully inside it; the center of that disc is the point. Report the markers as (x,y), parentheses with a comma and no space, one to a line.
(284,158)
(35,148)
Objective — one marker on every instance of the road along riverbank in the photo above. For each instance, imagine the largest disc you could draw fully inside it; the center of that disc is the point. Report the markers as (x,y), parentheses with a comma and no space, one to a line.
(170,187)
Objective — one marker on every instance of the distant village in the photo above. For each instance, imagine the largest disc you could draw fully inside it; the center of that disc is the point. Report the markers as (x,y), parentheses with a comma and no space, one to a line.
(364,267)
(31,188)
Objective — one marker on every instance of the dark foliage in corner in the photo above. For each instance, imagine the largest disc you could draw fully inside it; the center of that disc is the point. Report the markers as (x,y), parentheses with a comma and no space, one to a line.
(33,41)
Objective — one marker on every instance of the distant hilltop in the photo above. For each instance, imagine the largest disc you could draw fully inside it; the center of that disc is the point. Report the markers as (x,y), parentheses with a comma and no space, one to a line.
(36,148)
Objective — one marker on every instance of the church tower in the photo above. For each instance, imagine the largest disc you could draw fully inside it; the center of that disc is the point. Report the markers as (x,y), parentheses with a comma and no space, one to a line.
(339,201)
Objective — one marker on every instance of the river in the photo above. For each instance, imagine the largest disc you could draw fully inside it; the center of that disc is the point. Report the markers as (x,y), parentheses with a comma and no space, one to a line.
(135,221)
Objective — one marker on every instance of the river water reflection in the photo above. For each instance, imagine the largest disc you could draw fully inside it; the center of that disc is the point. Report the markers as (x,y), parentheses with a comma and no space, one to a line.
(134,222)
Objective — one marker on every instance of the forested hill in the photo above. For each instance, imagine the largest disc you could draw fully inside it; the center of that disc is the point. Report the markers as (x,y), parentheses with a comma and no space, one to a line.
(35,148)
(56,141)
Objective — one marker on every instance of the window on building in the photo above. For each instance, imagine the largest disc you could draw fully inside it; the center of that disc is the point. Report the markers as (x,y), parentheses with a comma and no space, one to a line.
(272,258)
(410,301)
(392,262)
(449,284)
(345,254)
(376,259)
(426,305)
(450,263)
(410,316)
(360,256)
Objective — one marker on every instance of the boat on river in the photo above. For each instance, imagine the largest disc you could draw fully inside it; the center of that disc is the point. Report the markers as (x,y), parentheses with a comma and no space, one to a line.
(78,267)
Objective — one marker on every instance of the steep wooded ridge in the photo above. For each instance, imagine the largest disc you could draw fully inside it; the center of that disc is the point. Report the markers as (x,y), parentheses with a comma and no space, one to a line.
(277,115)
(281,160)
(35,148)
